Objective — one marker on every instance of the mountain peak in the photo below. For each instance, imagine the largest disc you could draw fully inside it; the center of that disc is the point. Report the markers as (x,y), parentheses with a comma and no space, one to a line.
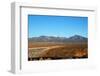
(77,37)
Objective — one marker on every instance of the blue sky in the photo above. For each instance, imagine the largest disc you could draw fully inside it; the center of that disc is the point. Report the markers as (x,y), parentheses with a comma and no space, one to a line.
(62,26)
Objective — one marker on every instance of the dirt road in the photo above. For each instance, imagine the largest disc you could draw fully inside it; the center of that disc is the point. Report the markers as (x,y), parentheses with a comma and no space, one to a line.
(39,51)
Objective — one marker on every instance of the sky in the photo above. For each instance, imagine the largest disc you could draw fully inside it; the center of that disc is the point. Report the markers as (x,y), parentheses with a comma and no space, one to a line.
(60,26)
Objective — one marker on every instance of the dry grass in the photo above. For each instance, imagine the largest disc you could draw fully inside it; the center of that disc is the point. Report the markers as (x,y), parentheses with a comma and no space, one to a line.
(47,50)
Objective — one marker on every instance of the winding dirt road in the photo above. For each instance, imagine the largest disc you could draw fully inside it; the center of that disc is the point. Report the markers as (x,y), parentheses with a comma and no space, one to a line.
(39,51)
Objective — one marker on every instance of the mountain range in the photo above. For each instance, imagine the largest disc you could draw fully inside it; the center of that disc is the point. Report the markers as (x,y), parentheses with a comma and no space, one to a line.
(75,38)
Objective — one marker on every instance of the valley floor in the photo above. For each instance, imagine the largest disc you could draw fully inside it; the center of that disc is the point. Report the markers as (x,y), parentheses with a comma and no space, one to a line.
(52,51)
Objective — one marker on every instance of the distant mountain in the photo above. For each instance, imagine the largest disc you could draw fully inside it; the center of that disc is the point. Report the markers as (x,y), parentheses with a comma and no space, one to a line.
(75,38)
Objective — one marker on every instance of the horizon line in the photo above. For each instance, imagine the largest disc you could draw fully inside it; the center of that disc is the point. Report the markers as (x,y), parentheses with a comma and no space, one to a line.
(59,36)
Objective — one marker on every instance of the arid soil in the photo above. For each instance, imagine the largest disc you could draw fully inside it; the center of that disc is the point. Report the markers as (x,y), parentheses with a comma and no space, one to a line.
(52,51)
